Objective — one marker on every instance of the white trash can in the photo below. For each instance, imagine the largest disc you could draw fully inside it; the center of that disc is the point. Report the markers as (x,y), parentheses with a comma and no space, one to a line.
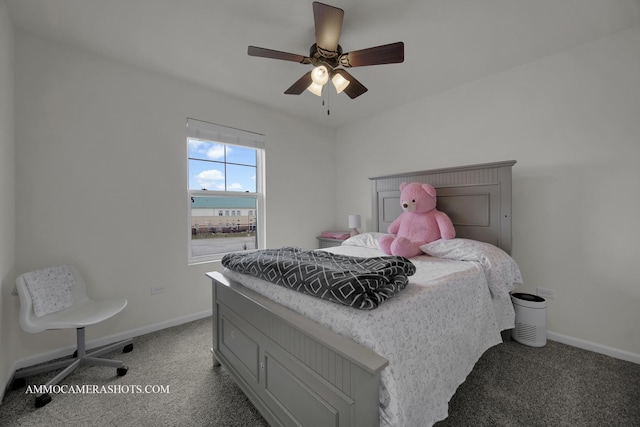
(531,319)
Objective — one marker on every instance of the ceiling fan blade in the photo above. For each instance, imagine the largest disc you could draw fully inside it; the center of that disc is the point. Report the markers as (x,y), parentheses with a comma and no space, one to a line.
(355,88)
(298,87)
(276,54)
(328,23)
(386,54)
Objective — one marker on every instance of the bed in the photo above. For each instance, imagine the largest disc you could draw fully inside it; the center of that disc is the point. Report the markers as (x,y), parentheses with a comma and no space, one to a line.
(305,361)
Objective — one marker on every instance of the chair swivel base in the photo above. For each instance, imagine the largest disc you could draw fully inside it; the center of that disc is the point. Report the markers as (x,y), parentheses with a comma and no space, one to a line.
(43,399)
(80,357)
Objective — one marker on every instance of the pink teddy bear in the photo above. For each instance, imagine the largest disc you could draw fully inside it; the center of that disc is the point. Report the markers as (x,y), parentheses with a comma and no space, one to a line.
(419,224)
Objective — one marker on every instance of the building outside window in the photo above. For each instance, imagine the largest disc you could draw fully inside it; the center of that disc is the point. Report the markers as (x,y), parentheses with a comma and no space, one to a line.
(226,174)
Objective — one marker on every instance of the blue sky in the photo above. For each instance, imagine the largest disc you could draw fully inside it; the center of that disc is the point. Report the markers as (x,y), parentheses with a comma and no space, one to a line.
(221,167)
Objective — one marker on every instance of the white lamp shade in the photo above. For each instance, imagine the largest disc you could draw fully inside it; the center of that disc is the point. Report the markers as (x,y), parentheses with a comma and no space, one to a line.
(354,221)
(339,82)
(315,89)
(320,75)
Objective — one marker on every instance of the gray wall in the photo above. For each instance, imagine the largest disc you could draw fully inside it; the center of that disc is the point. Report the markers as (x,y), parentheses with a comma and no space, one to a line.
(99,144)
(7,184)
(571,120)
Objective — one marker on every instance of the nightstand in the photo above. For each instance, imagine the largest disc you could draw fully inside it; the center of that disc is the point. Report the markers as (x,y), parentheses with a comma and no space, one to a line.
(327,242)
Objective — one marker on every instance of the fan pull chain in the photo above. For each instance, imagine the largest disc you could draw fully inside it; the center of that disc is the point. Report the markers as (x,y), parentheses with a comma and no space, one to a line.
(325,94)
(328,102)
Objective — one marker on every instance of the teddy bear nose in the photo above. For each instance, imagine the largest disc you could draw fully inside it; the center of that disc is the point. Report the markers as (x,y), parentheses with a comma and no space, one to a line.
(404,205)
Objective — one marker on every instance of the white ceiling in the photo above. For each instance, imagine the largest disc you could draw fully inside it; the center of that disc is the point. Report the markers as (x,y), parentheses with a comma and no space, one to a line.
(447,42)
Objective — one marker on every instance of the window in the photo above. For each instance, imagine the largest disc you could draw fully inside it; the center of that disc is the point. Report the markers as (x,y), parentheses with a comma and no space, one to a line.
(226,190)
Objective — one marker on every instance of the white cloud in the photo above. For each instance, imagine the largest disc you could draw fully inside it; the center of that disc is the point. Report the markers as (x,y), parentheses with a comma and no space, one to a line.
(207,150)
(216,152)
(197,146)
(209,179)
(234,187)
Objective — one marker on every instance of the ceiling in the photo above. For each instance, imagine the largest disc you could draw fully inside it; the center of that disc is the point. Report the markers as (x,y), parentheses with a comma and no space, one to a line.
(447,42)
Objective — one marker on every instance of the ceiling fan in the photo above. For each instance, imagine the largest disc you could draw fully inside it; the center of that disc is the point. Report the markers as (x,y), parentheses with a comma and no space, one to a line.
(326,56)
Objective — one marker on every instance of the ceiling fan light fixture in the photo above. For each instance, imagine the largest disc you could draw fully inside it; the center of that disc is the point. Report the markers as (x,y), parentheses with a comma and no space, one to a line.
(315,89)
(326,55)
(339,82)
(320,75)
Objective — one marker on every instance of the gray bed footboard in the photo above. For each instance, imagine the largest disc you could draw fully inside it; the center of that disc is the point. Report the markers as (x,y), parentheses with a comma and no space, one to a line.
(294,371)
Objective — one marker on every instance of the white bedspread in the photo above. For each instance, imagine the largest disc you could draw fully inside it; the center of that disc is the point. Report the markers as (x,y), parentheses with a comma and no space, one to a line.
(432,333)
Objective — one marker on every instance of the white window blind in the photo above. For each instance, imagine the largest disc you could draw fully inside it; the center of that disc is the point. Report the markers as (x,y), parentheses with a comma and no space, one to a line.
(213,132)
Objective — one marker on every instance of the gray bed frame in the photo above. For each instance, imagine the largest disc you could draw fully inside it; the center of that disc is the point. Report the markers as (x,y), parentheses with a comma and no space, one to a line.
(297,372)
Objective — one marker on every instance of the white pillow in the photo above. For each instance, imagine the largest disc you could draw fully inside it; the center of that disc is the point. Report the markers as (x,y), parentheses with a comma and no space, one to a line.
(501,270)
(50,289)
(365,240)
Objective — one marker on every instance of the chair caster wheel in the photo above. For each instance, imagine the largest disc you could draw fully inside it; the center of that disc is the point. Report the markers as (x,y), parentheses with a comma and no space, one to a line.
(127,348)
(43,400)
(18,383)
(122,371)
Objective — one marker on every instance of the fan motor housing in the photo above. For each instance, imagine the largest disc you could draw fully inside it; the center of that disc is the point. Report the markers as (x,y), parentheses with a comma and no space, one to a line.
(328,56)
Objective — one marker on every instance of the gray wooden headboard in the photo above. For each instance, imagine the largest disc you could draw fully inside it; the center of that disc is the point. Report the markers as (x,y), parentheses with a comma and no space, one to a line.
(477,198)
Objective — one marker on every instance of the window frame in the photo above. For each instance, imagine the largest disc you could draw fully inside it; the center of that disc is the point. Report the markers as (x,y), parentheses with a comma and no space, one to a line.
(210,132)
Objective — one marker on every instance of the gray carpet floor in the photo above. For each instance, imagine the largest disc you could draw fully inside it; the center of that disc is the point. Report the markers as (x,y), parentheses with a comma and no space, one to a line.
(511,385)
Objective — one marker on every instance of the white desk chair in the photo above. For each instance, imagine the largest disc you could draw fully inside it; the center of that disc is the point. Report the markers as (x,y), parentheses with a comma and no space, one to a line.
(55,298)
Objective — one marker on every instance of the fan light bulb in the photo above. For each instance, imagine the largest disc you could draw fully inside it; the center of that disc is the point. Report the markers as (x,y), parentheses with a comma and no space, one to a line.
(340,82)
(315,89)
(320,75)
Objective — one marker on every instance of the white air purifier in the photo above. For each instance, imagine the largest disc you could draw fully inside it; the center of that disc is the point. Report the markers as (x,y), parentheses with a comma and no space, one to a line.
(531,320)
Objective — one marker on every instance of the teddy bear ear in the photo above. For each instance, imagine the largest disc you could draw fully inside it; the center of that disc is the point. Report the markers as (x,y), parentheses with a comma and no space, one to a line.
(429,189)
(404,184)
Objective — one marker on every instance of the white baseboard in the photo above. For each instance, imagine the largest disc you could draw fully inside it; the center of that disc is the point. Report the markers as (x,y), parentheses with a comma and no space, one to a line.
(65,351)
(591,346)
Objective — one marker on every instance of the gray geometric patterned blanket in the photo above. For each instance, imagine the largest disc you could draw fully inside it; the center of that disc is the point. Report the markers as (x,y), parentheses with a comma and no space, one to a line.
(363,283)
